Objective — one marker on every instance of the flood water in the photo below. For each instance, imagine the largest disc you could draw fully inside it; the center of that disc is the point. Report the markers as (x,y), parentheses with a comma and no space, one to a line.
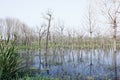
(75,64)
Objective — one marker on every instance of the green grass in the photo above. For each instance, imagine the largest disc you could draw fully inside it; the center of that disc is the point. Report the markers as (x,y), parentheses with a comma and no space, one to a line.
(87,46)
(81,45)
(37,78)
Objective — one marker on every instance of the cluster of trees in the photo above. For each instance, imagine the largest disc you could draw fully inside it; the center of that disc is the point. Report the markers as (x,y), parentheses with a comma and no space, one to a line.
(59,35)
(11,26)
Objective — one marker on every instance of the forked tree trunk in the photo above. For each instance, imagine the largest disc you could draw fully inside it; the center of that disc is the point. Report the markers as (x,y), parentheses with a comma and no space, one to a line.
(47,37)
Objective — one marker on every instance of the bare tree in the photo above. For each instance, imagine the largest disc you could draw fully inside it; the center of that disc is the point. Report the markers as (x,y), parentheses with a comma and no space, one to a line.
(111,12)
(48,17)
(91,25)
(9,27)
(41,31)
(60,27)
(1,28)
(69,40)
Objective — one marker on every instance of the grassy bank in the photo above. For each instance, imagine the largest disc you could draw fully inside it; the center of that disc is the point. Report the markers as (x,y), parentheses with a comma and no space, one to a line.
(74,46)
(37,78)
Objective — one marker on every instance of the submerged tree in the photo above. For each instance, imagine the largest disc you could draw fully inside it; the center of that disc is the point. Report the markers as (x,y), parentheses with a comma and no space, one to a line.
(41,32)
(111,12)
(91,25)
(48,17)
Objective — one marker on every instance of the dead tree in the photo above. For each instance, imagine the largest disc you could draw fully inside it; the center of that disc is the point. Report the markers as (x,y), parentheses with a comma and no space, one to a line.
(91,24)
(111,12)
(48,17)
(41,32)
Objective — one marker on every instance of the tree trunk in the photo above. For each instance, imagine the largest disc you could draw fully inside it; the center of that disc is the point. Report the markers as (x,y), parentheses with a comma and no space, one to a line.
(114,41)
(47,37)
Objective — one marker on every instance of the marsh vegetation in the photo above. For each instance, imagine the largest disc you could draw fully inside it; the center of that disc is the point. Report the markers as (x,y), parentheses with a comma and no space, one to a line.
(51,51)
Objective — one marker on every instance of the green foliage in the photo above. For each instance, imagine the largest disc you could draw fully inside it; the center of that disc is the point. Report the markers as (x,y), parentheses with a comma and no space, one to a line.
(9,60)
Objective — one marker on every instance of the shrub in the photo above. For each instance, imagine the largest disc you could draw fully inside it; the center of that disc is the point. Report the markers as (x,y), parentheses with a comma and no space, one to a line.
(9,60)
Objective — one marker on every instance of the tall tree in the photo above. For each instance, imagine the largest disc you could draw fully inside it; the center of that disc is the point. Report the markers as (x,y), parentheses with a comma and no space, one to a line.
(41,32)
(48,17)
(111,12)
(90,27)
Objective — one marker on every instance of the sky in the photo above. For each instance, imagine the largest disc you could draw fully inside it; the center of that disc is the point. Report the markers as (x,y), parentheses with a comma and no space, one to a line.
(30,11)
